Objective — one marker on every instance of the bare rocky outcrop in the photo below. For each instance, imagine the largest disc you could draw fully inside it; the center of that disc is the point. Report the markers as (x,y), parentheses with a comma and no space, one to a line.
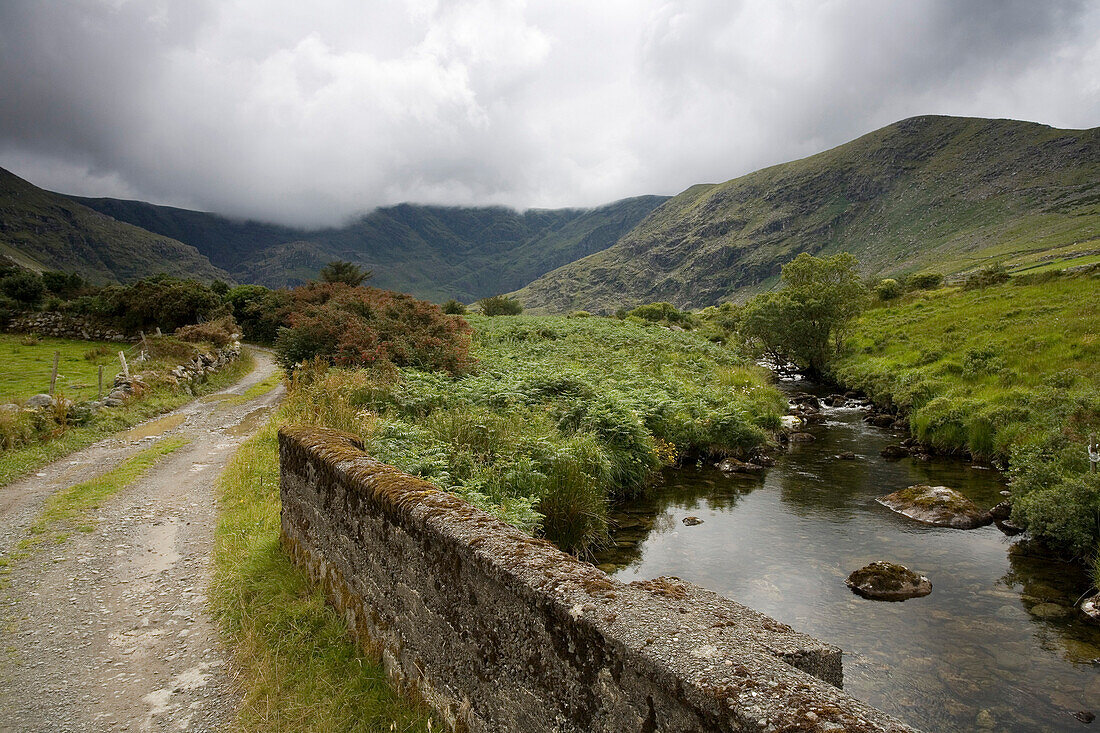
(937,505)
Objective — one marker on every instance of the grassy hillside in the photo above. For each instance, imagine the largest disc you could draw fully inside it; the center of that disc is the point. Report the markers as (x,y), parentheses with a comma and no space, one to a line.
(434,252)
(44,231)
(1007,372)
(984,369)
(946,193)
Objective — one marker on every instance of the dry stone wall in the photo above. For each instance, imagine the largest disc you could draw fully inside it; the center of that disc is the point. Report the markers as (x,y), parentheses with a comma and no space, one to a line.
(502,632)
(63,325)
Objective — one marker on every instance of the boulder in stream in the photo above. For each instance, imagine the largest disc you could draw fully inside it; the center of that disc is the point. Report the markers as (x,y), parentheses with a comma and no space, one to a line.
(802,438)
(894,451)
(1091,608)
(936,505)
(888,581)
(692,521)
(732,465)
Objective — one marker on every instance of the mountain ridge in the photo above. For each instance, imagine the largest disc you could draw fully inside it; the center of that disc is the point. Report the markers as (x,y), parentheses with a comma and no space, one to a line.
(41,230)
(432,251)
(950,192)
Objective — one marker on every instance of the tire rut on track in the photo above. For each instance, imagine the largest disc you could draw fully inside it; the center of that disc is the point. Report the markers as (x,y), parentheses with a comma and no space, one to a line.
(109,630)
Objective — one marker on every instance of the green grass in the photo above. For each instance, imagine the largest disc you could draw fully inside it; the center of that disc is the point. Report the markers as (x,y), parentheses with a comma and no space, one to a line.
(298,669)
(983,369)
(1008,373)
(69,508)
(560,416)
(26,364)
(258,389)
(18,462)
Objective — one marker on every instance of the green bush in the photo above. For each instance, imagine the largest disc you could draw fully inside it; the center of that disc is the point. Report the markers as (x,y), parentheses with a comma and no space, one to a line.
(560,416)
(159,301)
(259,312)
(24,287)
(662,312)
(888,289)
(500,305)
(986,277)
(924,281)
(453,308)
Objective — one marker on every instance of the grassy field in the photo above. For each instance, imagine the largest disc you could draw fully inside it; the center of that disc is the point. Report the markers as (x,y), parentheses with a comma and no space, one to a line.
(18,461)
(983,369)
(299,671)
(560,416)
(1007,372)
(27,361)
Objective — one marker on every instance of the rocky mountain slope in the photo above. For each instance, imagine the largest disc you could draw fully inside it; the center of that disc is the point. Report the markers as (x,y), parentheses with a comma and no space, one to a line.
(435,252)
(40,230)
(943,193)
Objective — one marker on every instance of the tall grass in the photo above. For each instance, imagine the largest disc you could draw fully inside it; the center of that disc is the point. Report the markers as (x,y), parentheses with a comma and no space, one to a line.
(1009,373)
(560,417)
(299,671)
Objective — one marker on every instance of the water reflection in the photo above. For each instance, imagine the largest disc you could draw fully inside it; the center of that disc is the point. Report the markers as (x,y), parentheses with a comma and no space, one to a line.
(997,644)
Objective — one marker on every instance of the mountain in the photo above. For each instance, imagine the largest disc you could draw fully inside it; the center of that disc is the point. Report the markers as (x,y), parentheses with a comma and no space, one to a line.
(45,231)
(435,252)
(943,193)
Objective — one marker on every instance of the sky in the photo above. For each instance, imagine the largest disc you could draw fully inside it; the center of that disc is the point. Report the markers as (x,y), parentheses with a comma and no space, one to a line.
(311,113)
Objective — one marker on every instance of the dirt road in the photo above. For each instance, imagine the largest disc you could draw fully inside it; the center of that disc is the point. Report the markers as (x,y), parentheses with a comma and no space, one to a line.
(109,631)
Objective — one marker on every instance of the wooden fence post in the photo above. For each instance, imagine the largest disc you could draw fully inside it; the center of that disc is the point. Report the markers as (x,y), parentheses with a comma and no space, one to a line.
(53,374)
(125,367)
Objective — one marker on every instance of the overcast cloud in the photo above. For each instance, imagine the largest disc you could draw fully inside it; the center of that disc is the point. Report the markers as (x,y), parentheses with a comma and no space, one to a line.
(309,113)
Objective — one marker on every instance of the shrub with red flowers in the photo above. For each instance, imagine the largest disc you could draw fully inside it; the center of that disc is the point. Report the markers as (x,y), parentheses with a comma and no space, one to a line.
(363,326)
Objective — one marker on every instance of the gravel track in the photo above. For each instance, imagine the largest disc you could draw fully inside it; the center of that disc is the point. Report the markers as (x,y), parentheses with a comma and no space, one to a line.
(109,631)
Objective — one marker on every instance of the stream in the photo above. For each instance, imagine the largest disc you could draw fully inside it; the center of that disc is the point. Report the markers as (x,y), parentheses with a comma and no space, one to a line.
(996,646)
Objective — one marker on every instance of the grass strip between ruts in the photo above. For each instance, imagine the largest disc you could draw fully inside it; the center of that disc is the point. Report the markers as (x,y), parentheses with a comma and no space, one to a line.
(70,508)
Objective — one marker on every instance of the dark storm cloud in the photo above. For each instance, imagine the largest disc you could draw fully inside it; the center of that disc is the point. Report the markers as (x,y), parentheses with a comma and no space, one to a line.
(309,113)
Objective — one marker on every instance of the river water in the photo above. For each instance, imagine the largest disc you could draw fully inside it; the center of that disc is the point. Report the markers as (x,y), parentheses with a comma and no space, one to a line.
(996,646)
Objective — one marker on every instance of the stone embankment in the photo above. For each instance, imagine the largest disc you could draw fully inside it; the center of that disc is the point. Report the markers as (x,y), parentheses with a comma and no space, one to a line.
(64,325)
(499,631)
(126,387)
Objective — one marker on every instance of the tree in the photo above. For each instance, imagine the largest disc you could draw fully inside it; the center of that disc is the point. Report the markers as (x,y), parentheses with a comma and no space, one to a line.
(500,305)
(806,321)
(339,271)
(453,308)
(888,289)
(23,286)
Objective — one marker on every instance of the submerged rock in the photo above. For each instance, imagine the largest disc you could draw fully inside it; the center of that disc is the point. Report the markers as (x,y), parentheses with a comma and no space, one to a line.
(692,521)
(1049,610)
(883,421)
(846,456)
(936,505)
(732,465)
(887,581)
(802,438)
(894,451)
